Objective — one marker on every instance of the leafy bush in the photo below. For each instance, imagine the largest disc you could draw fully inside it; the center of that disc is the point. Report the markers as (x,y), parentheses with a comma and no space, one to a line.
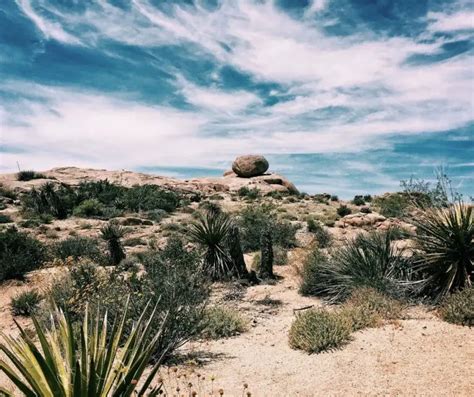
(150,197)
(358,200)
(25,303)
(79,247)
(367,307)
(343,210)
(28,175)
(458,308)
(446,239)
(392,205)
(57,200)
(5,218)
(107,193)
(222,322)
(254,219)
(113,233)
(251,194)
(323,237)
(211,231)
(19,254)
(89,208)
(317,330)
(85,362)
(368,261)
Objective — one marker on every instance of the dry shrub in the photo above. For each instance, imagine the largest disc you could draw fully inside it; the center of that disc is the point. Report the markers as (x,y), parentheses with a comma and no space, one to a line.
(458,308)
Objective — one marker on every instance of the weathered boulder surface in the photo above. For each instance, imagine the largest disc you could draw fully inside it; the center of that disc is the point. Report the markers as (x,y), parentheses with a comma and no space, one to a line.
(250,165)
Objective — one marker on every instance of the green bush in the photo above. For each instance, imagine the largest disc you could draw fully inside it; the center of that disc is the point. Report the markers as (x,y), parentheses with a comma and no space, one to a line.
(150,197)
(343,210)
(323,237)
(89,208)
(445,238)
(79,247)
(5,218)
(392,205)
(458,308)
(156,215)
(8,193)
(358,200)
(334,198)
(222,322)
(28,175)
(25,303)
(368,261)
(280,256)
(317,330)
(254,219)
(19,254)
(57,200)
(107,193)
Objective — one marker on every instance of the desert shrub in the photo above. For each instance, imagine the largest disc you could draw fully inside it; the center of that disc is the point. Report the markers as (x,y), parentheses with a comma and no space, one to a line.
(246,192)
(150,197)
(265,270)
(57,200)
(365,210)
(367,198)
(222,322)
(5,218)
(89,208)
(343,210)
(79,247)
(25,303)
(392,205)
(156,215)
(113,234)
(317,330)
(133,242)
(19,254)
(367,307)
(458,308)
(29,175)
(323,237)
(107,193)
(209,206)
(358,200)
(280,256)
(367,261)
(445,238)
(211,232)
(7,193)
(254,219)
(334,198)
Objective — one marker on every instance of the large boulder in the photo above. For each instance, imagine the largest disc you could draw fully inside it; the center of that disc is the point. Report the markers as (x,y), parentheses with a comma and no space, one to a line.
(250,165)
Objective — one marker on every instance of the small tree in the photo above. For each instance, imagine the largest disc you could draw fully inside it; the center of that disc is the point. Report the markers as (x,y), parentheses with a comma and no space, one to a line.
(266,259)
(112,234)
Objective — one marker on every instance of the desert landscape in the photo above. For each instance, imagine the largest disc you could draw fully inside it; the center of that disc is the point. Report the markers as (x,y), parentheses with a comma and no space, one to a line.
(260,289)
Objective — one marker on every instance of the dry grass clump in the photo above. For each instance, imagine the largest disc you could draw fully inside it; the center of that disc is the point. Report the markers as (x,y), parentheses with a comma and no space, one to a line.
(319,330)
(458,308)
(223,322)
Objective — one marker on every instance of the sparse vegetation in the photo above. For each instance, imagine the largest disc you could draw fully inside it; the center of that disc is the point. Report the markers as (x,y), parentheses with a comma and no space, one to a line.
(78,247)
(392,205)
(5,219)
(248,193)
(358,200)
(343,210)
(323,237)
(89,208)
(19,254)
(25,303)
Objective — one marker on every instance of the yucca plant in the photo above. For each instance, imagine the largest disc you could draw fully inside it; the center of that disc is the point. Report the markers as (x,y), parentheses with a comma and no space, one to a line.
(112,234)
(367,261)
(211,231)
(445,238)
(92,363)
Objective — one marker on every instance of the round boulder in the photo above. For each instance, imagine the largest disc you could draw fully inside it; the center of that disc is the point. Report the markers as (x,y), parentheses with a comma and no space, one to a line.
(250,165)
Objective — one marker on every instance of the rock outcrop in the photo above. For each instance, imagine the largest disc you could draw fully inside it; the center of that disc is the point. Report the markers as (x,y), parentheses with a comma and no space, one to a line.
(250,165)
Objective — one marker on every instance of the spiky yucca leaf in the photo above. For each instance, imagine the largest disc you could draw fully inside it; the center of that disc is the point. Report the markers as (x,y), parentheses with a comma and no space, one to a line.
(93,364)
(211,231)
(446,240)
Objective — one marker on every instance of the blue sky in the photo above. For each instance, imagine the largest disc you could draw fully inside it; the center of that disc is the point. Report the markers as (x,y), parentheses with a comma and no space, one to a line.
(344,96)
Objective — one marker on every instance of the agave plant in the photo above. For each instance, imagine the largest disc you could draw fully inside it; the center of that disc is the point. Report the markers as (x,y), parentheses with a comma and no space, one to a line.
(112,234)
(91,364)
(445,238)
(211,231)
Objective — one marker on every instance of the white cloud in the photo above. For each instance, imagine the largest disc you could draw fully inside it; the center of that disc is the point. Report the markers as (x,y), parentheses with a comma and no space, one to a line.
(441,22)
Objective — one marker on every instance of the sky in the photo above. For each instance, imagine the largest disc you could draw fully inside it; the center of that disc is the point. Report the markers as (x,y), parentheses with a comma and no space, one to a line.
(342,96)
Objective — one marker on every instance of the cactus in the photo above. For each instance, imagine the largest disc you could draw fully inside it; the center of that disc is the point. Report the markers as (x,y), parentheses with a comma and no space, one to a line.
(266,258)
